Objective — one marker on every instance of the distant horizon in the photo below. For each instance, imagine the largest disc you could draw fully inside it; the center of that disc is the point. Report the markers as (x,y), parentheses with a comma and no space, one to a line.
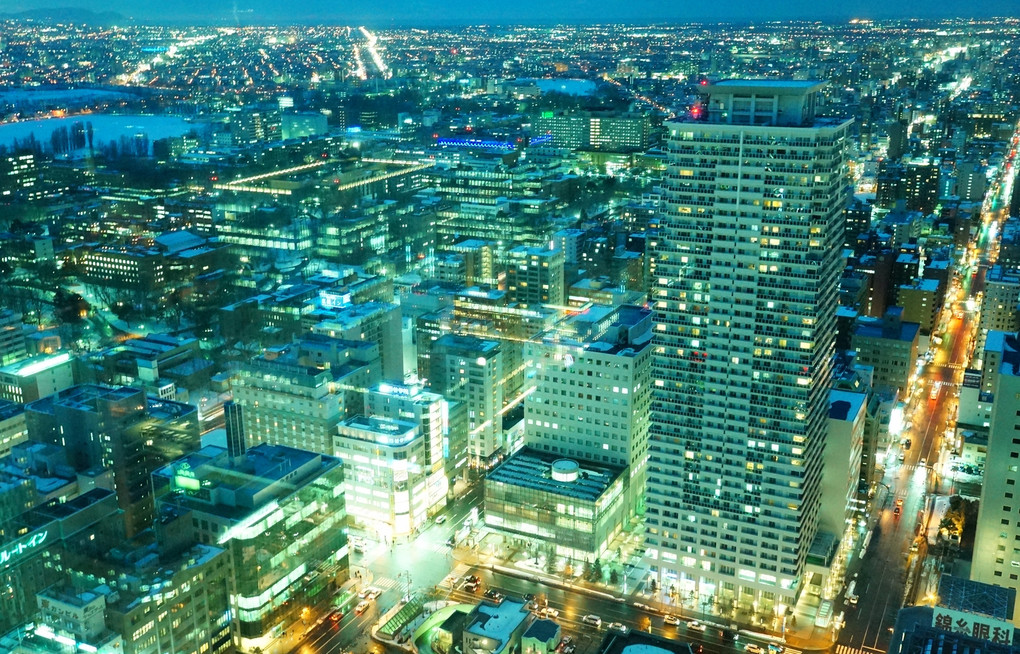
(408,14)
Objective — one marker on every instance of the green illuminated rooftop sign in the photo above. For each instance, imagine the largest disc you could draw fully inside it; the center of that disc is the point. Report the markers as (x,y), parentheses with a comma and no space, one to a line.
(547,114)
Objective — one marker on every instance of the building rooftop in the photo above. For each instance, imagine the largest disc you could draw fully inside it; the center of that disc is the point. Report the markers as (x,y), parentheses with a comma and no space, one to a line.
(640,642)
(532,469)
(843,405)
(786,84)
(880,328)
(379,430)
(624,330)
(35,365)
(468,344)
(210,480)
(962,594)
(497,621)
(543,630)
(916,633)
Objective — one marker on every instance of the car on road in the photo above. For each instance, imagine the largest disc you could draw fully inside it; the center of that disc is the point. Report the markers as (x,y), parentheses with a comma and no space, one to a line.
(451,541)
(373,593)
(549,612)
(696,626)
(440,519)
(896,510)
(361,607)
(494,595)
(729,634)
(754,648)
(569,649)
(775,648)
(592,620)
(671,619)
(618,627)
(472,579)
(471,586)
(336,616)
(899,501)
(566,640)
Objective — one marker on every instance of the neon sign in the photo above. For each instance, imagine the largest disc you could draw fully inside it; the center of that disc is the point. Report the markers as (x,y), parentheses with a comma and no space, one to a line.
(10,553)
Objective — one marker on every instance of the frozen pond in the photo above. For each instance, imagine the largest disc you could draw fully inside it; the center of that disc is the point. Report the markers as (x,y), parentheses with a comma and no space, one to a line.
(30,96)
(106,128)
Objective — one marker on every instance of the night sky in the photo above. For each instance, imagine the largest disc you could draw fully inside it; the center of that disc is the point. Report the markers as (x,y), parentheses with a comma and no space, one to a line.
(385,13)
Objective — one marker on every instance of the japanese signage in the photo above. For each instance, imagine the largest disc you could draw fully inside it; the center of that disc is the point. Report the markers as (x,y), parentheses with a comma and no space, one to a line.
(973,624)
(8,553)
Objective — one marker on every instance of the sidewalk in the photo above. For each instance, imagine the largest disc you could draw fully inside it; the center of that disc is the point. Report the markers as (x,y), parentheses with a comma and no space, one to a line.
(798,632)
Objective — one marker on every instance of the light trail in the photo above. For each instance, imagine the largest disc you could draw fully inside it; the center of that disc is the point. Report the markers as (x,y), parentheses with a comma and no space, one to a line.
(373,51)
(359,70)
(135,77)
(274,173)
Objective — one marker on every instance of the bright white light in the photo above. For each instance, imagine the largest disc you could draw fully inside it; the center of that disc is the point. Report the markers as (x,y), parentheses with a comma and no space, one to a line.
(896,421)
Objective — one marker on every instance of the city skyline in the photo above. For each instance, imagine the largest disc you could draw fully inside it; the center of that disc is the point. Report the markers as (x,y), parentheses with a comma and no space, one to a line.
(433,13)
(576,339)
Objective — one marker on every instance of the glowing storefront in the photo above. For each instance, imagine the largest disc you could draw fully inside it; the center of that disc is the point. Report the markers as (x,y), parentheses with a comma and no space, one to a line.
(386,483)
(574,505)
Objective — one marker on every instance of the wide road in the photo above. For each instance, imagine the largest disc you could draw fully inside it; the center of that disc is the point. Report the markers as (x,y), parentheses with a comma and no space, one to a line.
(917,467)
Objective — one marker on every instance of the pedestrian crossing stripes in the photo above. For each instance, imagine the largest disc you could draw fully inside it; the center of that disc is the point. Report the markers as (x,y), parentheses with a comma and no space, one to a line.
(383,583)
(846,649)
(872,650)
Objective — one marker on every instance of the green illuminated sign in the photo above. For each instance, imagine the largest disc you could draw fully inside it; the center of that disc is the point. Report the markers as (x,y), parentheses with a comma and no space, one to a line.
(12,552)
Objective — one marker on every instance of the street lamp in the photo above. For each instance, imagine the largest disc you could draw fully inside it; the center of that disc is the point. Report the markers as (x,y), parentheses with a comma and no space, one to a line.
(406,574)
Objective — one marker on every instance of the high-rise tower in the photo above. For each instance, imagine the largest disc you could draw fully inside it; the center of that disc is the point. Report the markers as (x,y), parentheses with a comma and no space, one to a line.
(747,267)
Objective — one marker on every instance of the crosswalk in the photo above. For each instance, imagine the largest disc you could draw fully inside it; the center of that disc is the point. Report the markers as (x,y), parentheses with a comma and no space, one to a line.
(384,583)
(846,649)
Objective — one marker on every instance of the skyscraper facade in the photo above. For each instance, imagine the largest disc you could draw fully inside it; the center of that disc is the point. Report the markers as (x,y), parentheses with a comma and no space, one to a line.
(747,266)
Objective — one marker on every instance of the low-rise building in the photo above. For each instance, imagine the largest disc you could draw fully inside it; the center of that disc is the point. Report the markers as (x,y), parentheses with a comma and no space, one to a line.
(966,616)
(889,345)
(495,627)
(573,506)
(36,377)
(542,637)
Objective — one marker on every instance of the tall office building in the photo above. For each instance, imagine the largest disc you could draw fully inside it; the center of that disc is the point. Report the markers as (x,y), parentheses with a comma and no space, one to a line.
(119,428)
(592,390)
(997,537)
(535,276)
(297,394)
(745,289)
(445,451)
(469,370)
